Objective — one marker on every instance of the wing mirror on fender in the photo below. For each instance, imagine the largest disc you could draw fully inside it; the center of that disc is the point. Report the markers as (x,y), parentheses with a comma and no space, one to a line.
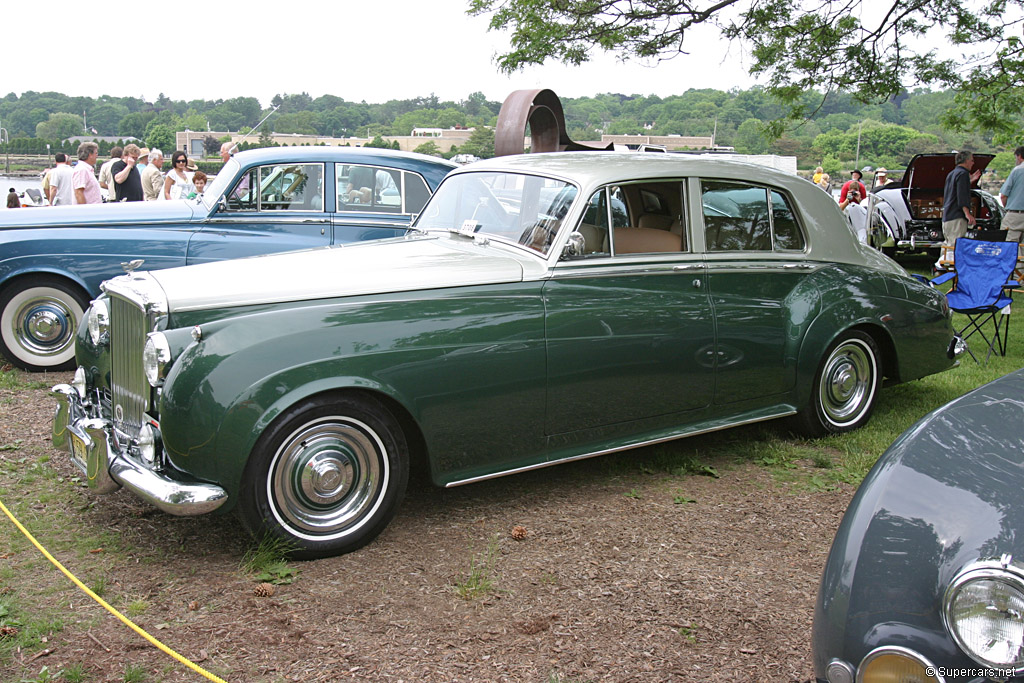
(574,247)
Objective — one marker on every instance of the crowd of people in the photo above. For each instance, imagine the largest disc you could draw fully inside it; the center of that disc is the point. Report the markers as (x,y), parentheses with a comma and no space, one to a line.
(132,174)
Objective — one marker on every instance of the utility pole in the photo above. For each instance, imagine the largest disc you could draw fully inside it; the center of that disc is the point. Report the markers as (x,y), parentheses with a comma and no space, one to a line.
(5,137)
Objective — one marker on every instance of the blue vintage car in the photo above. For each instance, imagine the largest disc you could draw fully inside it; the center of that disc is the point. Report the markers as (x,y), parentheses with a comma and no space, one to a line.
(269,200)
(925,580)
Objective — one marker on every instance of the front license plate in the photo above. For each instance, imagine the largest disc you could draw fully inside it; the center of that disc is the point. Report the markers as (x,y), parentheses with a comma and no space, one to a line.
(78,450)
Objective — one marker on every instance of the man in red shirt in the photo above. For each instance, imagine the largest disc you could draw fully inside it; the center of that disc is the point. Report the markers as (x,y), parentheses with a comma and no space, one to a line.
(857,185)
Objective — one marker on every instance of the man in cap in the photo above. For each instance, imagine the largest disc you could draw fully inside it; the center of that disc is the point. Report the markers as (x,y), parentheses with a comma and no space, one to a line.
(143,160)
(855,186)
(881,178)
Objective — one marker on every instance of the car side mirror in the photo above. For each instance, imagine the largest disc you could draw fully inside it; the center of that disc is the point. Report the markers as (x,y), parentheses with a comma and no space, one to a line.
(222,203)
(574,247)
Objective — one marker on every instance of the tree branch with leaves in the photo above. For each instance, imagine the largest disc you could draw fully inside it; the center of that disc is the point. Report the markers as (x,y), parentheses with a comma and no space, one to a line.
(873,50)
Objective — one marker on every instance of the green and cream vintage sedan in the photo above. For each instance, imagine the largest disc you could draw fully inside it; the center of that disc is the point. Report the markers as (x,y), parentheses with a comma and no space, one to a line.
(545,308)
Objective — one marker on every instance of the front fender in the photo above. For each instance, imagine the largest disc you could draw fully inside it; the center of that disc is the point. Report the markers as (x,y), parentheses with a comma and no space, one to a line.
(946,493)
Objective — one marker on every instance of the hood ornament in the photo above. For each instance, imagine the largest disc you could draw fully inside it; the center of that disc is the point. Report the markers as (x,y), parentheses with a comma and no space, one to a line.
(134,264)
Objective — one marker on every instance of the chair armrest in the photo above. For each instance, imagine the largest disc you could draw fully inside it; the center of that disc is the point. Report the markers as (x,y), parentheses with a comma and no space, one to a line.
(945,277)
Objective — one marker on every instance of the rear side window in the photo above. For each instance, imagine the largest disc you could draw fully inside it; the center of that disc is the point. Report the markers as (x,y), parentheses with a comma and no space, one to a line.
(743,217)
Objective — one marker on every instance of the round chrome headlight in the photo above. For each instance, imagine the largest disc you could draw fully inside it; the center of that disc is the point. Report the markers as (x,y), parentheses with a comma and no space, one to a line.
(147,443)
(99,321)
(983,610)
(156,357)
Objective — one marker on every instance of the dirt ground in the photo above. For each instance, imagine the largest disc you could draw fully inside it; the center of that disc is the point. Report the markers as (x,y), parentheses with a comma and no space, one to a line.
(621,576)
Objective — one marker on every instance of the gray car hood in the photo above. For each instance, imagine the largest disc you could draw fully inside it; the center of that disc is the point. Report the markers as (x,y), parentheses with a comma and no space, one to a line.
(395,265)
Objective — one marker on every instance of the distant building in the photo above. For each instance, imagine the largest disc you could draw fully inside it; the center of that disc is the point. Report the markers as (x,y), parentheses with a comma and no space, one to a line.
(102,138)
(192,141)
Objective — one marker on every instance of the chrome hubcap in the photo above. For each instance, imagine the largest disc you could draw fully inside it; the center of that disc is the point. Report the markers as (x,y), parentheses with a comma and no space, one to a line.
(327,478)
(45,326)
(847,383)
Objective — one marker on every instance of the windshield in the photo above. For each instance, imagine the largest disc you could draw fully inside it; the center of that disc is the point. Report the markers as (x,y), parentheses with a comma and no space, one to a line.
(523,209)
(215,190)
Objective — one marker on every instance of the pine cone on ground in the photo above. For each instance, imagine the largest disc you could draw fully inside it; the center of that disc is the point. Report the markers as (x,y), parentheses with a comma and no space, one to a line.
(264,590)
(519,532)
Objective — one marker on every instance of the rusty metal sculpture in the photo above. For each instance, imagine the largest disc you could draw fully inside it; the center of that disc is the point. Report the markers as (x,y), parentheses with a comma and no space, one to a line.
(541,110)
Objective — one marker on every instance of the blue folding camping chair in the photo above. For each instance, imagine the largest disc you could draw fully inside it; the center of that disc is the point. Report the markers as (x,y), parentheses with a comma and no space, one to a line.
(983,290)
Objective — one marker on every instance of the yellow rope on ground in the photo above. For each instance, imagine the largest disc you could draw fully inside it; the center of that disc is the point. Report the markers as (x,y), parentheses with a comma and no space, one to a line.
(127,622)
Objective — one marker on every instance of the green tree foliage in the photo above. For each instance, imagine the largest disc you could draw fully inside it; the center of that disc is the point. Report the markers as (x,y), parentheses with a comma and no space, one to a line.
(378,142)
(59,126)
(832,46)
(160,136)
(134,124)
(266,138)
(211,145)
(429,148)
(480,143)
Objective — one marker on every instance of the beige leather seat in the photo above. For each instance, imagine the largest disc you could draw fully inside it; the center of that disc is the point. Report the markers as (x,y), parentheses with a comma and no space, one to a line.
(595,239)
(646,241)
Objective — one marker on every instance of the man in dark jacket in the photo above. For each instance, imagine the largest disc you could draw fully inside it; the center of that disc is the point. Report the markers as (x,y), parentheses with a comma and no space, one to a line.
(956,205)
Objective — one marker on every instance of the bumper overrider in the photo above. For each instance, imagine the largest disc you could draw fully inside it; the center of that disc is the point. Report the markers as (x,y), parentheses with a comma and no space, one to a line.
(94,448)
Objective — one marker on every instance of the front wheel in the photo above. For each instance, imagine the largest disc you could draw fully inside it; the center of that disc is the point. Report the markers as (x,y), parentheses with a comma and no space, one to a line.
(845,387)
(327,476)
(39,317)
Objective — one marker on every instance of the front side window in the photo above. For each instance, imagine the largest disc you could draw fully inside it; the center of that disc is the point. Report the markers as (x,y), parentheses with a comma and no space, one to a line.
(279,187)
(742,217)
(369,188)
(635,218)
(515,207)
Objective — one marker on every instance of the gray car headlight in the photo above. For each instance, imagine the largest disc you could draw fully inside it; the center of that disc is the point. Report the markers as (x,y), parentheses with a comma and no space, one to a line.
(983,610)
(99,321)
(156,357)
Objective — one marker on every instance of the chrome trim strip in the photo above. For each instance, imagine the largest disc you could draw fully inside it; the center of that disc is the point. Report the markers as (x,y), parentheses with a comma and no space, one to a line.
(404,222)
(641,444)
(272,218)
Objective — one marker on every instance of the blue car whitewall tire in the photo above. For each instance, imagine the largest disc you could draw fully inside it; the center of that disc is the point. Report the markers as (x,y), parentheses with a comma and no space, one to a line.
(39,317)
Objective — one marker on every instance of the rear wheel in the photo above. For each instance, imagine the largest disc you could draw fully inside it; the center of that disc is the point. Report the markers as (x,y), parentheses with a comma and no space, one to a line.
(39,317)
(327,476)
(845,387)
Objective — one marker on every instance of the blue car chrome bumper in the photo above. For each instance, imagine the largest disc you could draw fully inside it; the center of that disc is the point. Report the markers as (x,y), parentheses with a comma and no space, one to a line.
(93,449)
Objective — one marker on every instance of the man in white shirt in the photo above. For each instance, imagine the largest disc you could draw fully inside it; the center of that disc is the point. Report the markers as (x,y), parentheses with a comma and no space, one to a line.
(62,191)
(107,180)
(152,177)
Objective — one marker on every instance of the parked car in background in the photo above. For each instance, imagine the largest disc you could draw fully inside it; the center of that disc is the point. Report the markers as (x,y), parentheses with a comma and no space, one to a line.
(546,308)
(262,201)
(906,215)
(925,580)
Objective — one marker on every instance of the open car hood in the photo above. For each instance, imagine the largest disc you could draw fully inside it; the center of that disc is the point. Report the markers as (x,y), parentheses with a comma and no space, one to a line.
(929,171)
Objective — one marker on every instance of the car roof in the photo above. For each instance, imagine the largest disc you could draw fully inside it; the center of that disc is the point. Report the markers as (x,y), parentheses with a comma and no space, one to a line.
(598,168)
(930,170)
(349,155)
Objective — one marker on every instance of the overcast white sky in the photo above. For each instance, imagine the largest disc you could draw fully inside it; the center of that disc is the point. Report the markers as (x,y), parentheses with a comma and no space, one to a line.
(368,50)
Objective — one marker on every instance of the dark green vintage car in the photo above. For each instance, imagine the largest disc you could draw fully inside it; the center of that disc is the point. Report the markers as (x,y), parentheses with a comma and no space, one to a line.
(545,308)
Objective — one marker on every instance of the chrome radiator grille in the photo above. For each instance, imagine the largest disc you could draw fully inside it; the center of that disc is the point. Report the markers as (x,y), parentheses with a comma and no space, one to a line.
(129,387)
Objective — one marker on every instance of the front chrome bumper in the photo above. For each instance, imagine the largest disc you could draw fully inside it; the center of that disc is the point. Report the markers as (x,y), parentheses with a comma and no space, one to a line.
(93,448)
